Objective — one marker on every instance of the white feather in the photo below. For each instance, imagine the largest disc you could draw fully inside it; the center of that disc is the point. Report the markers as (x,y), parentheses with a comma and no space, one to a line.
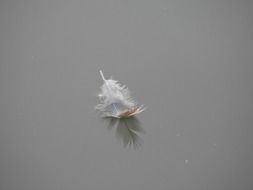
(115,100)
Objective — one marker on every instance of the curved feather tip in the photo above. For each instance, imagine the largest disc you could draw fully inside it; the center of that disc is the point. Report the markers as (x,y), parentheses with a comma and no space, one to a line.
(115,100)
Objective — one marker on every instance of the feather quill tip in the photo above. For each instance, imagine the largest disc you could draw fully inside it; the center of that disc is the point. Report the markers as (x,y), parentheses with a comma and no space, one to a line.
(131,112)
(115,100)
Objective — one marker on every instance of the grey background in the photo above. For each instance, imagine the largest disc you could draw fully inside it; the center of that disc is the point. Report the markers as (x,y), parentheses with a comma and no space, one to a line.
(189,62)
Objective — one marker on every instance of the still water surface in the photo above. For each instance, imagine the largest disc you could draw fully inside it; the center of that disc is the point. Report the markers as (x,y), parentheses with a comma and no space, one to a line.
(189,62)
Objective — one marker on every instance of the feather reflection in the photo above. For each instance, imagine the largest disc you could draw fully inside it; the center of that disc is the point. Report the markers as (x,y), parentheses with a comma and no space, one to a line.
(127,130)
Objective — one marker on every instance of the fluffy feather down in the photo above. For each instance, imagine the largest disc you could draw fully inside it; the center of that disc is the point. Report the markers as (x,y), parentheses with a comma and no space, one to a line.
(115,100)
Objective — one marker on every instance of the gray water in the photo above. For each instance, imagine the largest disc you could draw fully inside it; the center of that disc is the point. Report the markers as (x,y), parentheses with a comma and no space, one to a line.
(189,62)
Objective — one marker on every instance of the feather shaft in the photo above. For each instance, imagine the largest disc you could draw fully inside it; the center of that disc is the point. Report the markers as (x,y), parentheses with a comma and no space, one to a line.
(102,75)
(105,81)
